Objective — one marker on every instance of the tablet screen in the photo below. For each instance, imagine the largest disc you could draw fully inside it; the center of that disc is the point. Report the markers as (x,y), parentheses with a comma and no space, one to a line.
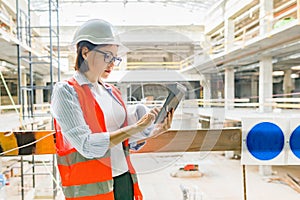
(176,93)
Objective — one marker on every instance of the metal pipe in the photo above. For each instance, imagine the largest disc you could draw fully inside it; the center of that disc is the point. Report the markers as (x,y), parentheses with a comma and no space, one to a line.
(18,54)
(31,99)
(50,44)
(58,44)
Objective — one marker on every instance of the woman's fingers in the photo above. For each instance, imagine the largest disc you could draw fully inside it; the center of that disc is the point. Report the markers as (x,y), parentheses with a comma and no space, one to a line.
(146,120)
(155,111)
(169,118)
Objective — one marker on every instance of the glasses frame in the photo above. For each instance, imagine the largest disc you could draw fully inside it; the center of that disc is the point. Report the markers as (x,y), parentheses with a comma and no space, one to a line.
(107,59)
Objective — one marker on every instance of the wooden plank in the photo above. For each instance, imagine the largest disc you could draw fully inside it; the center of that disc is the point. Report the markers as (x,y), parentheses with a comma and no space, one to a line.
(43,142)
(195,140)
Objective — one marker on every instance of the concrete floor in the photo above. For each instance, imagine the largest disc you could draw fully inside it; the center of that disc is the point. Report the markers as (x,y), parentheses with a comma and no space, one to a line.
(221,180)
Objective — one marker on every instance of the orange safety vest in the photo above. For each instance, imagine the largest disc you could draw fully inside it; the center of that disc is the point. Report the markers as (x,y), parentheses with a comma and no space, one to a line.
(83,178)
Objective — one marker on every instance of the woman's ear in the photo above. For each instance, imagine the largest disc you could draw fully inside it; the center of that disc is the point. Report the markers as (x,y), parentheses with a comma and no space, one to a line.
(84,52)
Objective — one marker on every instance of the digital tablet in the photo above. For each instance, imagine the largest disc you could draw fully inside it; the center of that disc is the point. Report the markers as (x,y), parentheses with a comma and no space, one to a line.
(176,93)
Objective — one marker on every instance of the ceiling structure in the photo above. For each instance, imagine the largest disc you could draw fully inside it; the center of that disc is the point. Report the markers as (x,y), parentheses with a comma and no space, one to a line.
(122,12)
(191,5)
(156,30)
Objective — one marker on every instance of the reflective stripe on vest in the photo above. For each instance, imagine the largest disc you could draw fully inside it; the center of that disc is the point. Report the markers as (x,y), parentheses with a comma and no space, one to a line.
(89,179)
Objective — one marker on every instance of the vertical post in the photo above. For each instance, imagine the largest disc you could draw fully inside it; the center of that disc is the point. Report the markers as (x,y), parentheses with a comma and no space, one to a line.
(265,83)
(244,182)
(206,90)
(229,34)
(265,16)
(55,185)
(288,85)
(58,47)
(229,88)
(33,171)
(254,93)
(39,85)
(50,44)
(31,97)
(22,178)
(24,92)
(18,54)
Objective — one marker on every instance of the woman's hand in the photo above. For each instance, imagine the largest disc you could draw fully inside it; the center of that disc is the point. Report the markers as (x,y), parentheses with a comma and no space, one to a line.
(147,119)
(164,126)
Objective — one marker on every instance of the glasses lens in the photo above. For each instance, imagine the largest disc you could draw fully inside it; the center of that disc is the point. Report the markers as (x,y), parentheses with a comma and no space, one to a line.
(117,61)
(108,58)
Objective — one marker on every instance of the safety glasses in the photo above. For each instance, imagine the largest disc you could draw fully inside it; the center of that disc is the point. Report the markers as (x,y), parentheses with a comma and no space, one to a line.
(108,57)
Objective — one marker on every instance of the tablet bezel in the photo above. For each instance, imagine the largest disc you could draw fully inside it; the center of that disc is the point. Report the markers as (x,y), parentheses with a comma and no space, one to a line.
(176,94)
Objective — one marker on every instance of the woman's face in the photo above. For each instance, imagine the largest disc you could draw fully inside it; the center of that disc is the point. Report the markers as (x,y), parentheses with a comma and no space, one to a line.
(97,66)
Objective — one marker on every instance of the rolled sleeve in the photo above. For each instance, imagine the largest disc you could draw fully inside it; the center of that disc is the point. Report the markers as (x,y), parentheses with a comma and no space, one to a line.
(65,108)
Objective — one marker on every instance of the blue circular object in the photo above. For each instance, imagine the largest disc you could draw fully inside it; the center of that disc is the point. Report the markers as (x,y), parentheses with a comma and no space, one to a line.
(265,141)
(295,142)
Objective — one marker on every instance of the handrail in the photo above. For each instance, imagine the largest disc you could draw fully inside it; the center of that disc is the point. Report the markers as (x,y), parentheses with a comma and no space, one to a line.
(284,103)
(284,6)
(152,65)
(44,107)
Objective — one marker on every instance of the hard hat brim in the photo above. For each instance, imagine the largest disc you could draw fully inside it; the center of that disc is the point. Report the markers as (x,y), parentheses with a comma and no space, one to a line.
(121,48)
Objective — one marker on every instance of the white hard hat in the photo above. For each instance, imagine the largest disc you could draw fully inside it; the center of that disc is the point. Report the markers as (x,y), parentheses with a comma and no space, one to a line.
(98,31)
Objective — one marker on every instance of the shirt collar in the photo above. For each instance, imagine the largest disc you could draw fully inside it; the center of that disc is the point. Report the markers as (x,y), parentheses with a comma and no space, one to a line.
(81,79)
(106,86)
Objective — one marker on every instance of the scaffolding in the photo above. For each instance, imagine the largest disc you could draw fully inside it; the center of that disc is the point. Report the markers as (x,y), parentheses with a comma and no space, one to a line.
(39,58)
(40,62)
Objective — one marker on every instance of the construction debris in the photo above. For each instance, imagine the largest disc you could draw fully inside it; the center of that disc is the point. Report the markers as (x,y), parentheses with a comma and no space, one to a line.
(191,193)
(289,180)
(188,171)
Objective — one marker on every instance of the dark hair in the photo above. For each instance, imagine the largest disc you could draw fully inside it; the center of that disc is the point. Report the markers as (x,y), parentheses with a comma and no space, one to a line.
(81,64)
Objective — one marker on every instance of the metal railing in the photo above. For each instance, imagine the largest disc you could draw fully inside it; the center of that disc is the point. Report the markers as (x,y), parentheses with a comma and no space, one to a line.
(42,108)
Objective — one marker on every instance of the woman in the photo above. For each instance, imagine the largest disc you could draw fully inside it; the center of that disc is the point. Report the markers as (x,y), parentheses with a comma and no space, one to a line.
(91,122)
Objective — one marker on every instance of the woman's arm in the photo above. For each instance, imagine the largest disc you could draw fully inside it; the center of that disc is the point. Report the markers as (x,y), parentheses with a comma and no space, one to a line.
(66,109)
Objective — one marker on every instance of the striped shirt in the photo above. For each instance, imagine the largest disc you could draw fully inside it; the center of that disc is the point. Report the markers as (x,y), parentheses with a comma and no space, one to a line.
(65,108)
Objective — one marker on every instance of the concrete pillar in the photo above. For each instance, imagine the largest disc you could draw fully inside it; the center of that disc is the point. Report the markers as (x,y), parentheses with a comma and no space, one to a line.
(229,88)
(288,85)
(265,84)
(265,170)
(229,34)
(254,91)
(265,16)
(206,90)
(39,93)
(265,92)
